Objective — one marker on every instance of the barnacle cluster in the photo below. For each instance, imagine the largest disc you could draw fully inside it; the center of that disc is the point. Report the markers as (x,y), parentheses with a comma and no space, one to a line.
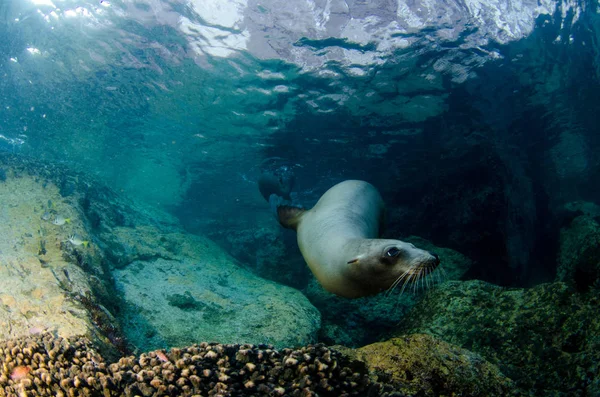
(46,365)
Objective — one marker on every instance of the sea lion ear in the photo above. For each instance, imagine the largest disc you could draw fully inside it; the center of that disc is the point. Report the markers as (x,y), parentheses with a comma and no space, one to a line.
(355,260)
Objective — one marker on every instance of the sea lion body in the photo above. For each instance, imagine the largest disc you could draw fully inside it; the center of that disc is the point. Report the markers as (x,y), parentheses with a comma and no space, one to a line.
(339,241)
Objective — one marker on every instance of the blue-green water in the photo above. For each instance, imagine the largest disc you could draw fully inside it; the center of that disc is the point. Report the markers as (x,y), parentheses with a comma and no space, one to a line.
(477,121)
(478,127)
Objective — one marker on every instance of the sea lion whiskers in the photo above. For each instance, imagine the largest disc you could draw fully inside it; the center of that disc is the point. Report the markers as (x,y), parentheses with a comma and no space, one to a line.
(428,279)
(397,281)
(405,278)
(421,277)
(409,281)
(412,276)
(441,275)
(436,277)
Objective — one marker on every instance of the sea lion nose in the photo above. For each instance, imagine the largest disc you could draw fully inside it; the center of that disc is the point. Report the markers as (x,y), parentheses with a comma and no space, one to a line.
(437,258)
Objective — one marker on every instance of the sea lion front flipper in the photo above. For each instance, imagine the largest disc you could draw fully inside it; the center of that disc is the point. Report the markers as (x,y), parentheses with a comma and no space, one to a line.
(290,216)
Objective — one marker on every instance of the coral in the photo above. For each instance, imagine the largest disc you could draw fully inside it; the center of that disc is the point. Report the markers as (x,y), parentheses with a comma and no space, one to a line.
(416,365)
(51,366)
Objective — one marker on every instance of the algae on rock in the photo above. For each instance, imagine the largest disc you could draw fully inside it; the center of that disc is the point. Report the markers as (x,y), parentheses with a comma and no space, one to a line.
(422,365)
(45,278)
(544,338)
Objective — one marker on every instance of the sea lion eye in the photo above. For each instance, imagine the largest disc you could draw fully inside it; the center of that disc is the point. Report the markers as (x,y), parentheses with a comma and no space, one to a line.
(393,252)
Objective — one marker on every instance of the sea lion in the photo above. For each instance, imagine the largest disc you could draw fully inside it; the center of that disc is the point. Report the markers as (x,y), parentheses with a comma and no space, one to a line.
(276,177)
(339,241)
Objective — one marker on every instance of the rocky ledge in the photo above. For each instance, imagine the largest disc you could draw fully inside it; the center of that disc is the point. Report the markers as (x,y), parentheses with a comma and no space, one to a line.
(78,259)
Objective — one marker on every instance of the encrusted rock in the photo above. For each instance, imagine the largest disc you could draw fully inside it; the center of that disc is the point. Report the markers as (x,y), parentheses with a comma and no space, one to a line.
(525,332)
(423,365)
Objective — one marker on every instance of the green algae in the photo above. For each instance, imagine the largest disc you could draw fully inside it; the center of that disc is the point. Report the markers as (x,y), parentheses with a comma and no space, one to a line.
(421,365)
(544,338)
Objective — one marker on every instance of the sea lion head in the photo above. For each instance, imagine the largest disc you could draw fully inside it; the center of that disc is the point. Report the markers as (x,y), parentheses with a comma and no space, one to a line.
(382,264)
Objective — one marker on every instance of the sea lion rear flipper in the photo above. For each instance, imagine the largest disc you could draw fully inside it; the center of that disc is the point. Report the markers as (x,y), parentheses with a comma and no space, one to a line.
(289,216)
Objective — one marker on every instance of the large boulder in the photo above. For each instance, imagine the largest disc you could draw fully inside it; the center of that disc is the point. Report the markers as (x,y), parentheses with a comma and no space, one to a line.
(544,338)
(188,290)
(421,365)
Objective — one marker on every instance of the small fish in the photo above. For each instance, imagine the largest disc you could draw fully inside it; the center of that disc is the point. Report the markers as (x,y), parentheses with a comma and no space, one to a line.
(60,220)
(162,356)
(19,372)
(76,240)
(35,330)
(46,216)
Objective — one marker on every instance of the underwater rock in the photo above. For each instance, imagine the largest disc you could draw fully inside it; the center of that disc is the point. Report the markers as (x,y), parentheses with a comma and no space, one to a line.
(55,268)
(263,250)
(582,208)
(125,245)
(47,283)
(366,319)
(421,365)
(190,290)
(78,265)
(44,365)
(543,338)
(579,253)
(453,264)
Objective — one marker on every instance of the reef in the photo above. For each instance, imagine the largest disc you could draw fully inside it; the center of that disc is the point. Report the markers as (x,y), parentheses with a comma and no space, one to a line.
(44,365)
